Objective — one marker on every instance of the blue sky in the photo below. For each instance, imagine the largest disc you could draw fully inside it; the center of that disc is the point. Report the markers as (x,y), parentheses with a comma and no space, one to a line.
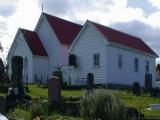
(136,17)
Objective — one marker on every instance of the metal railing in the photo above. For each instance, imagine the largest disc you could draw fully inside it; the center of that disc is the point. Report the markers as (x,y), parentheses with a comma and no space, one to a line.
(81,81)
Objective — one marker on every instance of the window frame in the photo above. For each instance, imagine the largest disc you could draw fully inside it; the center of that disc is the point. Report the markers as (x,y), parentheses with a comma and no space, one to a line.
(96,60)
(147,66)
(136,64)
(120,61)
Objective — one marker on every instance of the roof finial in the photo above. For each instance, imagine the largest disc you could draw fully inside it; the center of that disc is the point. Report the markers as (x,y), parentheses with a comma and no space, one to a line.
(42,7)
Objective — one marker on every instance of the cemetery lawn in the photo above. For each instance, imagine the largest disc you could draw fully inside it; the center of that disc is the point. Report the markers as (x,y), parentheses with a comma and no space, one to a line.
(37,92)
(139,102)
(2,94)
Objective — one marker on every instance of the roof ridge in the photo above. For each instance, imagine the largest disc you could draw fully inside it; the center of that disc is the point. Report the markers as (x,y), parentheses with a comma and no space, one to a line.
(65,30)
(115,30)
(62,19)
(26,29)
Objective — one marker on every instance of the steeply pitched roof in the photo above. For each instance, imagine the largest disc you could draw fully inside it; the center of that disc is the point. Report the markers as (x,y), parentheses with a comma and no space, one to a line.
(34,42)
(121,38)
(66,31)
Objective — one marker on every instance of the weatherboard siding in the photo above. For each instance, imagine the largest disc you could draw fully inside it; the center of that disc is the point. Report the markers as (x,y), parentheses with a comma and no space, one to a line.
(127,75)
(51,44)
(87,44)
(21,49)
(64,54)
(40,68)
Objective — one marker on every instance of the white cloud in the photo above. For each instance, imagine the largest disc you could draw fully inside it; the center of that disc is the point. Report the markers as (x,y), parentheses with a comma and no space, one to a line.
(7,7)
(115,12)
(25,16)
(153,19)
(155,3)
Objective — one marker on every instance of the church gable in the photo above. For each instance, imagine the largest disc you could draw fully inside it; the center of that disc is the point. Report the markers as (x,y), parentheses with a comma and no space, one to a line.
(34,43)
(65,31)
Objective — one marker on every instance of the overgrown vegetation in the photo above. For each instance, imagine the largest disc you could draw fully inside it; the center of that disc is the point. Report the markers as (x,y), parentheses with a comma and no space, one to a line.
(136,89)
(3,78)
(102,105)
(38,107)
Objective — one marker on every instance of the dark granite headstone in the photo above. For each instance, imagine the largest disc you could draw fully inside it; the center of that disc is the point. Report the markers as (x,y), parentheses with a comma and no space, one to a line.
(54,89)
(16,78)
(2,104)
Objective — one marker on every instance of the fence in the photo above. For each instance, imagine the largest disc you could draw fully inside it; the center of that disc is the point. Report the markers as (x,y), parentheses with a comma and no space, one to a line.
(81,81)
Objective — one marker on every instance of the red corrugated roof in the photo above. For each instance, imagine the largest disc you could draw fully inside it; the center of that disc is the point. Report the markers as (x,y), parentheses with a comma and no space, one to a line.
(34,43)
(66,31)
(118,37)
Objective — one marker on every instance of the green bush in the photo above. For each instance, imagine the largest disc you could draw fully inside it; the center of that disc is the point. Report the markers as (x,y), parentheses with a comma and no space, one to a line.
(38,108)
(102,105)
(136,89)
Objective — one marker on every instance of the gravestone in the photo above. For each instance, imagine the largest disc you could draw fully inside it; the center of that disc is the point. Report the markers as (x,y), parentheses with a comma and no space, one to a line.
(90,83)
(16,77)
(2,104)
(154,106)
(54,89)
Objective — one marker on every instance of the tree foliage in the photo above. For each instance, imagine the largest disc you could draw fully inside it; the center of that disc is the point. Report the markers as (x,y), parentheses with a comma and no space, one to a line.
(158,68)
(2,71)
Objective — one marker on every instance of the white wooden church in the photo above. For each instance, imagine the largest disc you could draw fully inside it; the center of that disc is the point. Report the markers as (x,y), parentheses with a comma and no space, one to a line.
(112,56)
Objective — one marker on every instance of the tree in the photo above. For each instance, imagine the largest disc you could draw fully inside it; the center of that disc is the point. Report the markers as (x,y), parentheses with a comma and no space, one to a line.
(1,48)
(2,71)
(158,68)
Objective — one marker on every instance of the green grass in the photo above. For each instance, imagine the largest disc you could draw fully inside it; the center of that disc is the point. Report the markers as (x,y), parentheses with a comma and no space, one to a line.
(2,94)
(152,113)
(73,93)
(140,102)
(36,92)
(18,114)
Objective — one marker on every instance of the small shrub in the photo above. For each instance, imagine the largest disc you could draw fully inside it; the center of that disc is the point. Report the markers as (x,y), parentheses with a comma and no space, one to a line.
(38,108)
(3,88)
(26,89)
(102,105)
(155,92)
(64,84)
(136,89)
(134,113)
